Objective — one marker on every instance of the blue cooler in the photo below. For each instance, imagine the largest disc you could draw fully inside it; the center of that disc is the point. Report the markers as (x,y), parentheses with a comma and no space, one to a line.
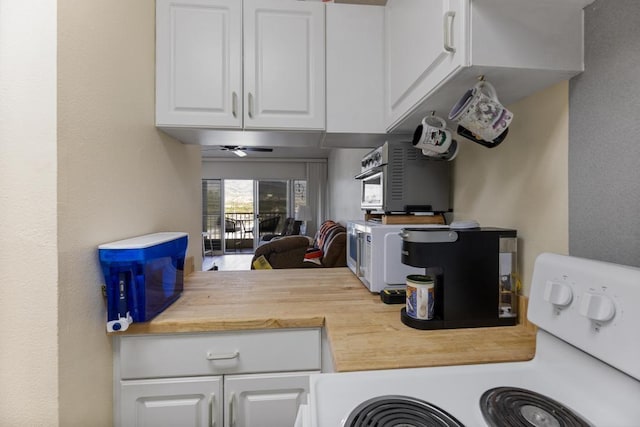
(144,275)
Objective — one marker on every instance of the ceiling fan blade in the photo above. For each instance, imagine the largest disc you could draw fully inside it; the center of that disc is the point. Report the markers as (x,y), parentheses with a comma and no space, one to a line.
(261,149)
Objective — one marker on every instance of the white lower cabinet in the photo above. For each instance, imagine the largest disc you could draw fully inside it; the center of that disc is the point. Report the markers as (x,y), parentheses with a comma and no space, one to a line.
(172,402)
(266,400)
(230,379)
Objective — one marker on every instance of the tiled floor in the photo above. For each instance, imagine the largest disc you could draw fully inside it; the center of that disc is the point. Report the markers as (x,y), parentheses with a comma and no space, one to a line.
(228,262)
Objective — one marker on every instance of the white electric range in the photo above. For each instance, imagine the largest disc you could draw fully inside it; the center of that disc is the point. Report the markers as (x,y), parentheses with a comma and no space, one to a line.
(586,371)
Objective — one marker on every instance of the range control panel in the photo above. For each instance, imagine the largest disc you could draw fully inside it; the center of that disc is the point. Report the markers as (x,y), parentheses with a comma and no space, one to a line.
(593,305)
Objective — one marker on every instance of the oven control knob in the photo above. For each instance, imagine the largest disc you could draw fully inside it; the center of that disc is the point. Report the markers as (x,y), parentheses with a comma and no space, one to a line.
(597,307)
(558,294)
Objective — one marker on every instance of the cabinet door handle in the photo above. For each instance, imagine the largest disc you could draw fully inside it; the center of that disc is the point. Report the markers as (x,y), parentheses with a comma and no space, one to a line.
(212,410)
(232,415)
(224,356)
(250,99)
(448,31)
(234,104)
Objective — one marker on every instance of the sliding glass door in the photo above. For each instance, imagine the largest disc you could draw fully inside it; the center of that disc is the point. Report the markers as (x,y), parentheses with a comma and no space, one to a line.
(272,207)
(237,213)
(212,232)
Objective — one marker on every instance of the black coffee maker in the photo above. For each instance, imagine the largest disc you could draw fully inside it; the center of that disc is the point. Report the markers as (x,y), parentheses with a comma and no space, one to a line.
(474,271)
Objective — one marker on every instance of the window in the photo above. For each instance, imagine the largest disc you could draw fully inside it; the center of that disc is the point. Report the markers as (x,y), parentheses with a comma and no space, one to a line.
(238,201)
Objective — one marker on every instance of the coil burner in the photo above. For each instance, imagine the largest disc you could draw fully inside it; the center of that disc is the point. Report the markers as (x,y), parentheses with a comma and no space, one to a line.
(399,411)
(517,407)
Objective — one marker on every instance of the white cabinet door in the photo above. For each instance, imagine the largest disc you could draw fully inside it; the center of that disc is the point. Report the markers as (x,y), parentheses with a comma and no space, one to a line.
(424,44)
(268,400)
(355,68)
(284,64)
(170,402)
(199,63)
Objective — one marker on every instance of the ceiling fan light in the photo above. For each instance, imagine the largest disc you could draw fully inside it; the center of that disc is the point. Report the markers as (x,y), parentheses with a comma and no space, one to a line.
(239,153)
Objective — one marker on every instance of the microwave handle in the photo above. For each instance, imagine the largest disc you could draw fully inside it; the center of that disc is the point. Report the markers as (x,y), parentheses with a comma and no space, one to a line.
(360,240)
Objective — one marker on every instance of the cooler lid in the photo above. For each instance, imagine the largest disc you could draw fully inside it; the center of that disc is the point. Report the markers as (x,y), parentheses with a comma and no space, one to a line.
(145,241)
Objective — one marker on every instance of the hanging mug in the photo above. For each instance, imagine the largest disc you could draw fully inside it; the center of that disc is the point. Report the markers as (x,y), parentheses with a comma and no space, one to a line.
(480,112)
(432,135)
(448,155)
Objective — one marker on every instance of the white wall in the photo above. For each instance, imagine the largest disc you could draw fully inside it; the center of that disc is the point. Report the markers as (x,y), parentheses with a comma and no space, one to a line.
(522,183)
(28,252)
(344,190)
(101,173)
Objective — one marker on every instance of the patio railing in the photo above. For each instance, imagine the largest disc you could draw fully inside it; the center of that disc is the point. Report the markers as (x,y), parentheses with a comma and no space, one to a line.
(239,229)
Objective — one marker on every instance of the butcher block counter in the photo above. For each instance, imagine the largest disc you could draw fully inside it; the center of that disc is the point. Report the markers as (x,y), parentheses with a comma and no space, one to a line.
(363,332)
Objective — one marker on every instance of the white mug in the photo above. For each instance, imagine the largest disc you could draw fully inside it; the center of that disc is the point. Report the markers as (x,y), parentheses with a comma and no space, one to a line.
(482,113)
(433,138)
(449,155)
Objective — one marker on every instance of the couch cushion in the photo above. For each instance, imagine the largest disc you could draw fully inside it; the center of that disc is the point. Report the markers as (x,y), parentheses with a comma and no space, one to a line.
(335,250)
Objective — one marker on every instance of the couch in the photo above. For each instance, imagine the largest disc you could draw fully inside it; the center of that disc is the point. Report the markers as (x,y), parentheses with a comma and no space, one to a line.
(284,252)
(290,227)
(328,249)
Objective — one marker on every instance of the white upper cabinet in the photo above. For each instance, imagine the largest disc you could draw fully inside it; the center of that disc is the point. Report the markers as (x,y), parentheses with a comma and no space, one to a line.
(355,69)
(199,63)
(261,64)
(284,65)
(437,49)
(200,80)
(423,45)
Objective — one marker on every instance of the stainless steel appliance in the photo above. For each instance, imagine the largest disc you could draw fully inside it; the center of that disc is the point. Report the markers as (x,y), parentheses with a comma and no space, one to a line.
(397,177)
(373,254)
(585,371)
(474,272)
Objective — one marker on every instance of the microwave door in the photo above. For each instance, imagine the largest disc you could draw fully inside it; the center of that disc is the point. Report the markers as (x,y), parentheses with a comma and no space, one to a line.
(394,271)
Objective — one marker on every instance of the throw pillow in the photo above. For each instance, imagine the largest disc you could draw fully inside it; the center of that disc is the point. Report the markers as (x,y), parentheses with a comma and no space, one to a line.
(313,253)
(261,263)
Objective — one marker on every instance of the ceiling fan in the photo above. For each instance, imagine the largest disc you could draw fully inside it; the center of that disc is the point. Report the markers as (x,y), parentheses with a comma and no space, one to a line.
(240,150)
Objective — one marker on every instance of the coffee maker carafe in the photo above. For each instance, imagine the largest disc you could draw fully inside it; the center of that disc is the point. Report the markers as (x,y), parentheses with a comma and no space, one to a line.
(474,270)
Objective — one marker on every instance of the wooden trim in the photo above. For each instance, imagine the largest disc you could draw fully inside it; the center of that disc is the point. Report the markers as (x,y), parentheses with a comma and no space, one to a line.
(406,219)
(523,304)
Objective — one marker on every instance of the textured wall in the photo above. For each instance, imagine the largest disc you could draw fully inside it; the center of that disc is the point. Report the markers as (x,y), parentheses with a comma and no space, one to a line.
(604,153)
(28,247)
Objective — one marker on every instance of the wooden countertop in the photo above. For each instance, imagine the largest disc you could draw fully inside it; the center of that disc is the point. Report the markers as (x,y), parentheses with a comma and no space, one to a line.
(363,332)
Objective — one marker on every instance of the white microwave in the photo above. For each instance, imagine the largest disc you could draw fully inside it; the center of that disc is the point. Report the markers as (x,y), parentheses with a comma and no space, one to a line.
(373,254)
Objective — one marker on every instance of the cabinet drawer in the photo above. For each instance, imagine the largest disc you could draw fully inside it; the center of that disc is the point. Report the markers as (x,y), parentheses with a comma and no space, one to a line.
(157,356)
